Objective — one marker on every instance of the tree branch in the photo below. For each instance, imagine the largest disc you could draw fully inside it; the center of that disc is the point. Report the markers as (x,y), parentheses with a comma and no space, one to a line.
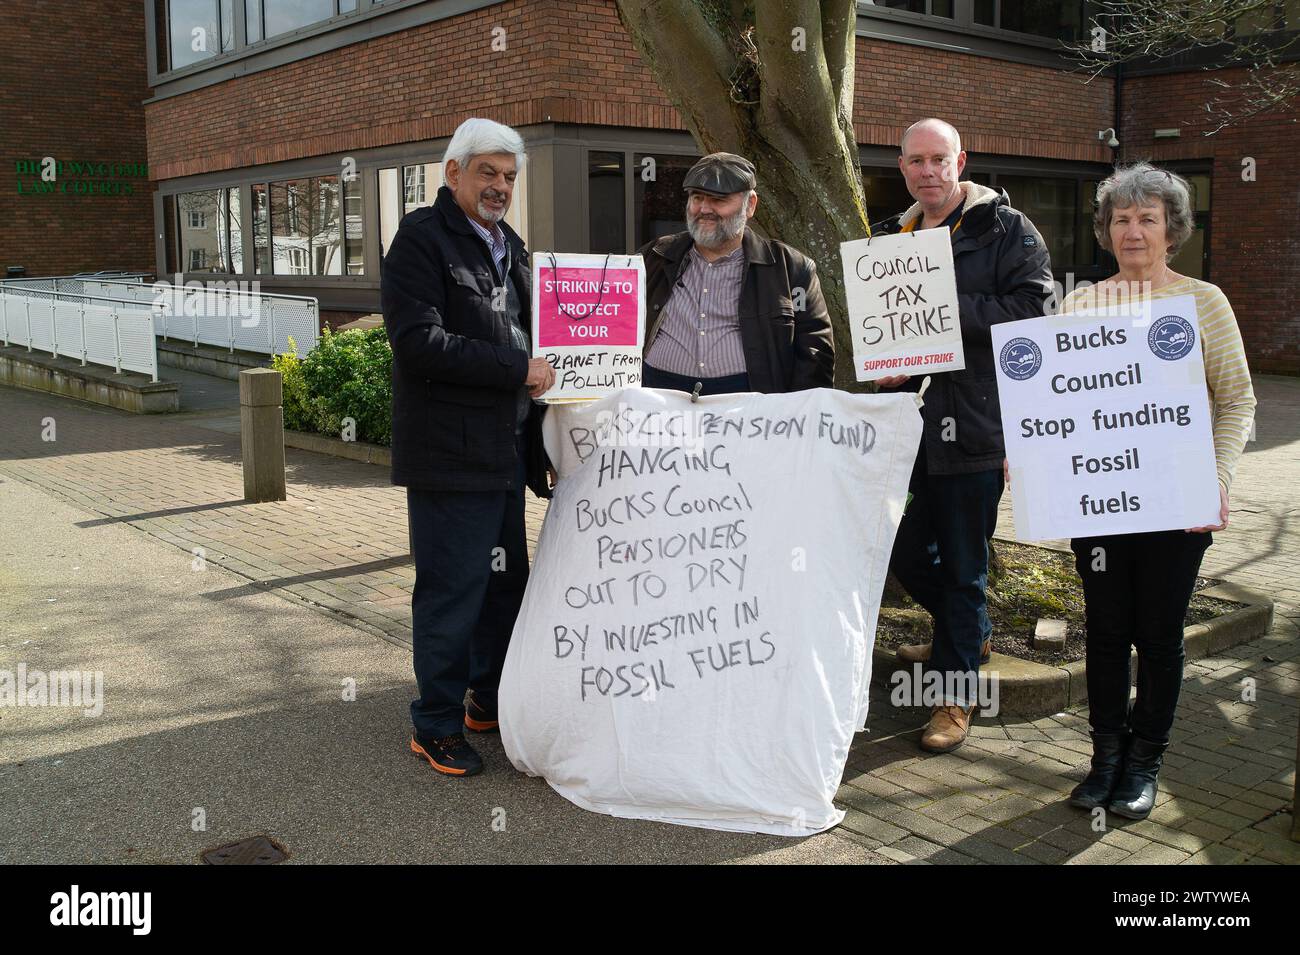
(795,88)
(701,59)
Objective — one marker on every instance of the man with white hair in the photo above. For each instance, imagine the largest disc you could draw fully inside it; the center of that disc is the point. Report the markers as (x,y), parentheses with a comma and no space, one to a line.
(456,294)
(941,550)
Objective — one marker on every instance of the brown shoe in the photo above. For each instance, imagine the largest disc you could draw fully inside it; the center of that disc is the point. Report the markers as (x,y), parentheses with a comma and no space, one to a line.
(920,652)
(947,729)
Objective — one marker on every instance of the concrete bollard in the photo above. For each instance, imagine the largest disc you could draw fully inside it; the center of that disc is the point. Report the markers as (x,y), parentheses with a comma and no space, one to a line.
(261,431)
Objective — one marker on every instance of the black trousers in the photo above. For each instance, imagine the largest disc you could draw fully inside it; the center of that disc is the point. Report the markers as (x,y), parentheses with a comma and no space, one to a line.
(652,377)
(471,567)
(1137,588)
(941,558)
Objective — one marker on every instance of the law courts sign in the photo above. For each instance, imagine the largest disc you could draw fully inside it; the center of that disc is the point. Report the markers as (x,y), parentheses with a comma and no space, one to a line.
(50,176)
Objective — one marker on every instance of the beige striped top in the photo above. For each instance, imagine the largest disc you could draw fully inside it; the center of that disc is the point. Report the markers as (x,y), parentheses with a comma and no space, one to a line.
(1232,398)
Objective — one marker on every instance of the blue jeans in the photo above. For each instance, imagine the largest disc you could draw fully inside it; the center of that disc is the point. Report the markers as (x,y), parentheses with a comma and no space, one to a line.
(471,567)
(941,558)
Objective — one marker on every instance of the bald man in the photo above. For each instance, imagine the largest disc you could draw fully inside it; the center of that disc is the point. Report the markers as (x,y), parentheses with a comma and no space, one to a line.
(941,551)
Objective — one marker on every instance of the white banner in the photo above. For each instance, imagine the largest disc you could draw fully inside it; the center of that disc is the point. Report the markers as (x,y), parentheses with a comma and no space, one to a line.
(1107,421)
(902,303)
(589,322)
(695,643)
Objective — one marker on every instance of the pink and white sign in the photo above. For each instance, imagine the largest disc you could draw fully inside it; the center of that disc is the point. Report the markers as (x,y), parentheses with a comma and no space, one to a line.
(589,322)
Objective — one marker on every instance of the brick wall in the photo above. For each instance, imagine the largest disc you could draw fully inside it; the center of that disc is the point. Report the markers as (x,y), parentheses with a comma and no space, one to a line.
(1000,107)
(572,62)
(74,78)
(1254,246)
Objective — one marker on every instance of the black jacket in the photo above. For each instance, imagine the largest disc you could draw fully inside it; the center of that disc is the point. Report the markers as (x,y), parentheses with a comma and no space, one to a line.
(785,349)
(456,375)
(1003,274)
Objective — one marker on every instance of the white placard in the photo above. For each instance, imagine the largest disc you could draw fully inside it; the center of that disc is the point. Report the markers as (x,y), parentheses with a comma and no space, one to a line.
(589,322)
(902,302)
(695,642)
(1107,421)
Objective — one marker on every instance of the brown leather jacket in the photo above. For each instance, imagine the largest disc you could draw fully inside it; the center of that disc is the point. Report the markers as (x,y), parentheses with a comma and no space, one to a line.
(786,349)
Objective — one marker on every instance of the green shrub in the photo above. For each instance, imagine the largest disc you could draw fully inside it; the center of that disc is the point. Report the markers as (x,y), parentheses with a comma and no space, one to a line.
(296,401)
(347,375)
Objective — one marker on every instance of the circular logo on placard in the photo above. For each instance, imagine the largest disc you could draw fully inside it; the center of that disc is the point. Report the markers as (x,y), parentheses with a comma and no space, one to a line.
(1021,358)
(1171,337)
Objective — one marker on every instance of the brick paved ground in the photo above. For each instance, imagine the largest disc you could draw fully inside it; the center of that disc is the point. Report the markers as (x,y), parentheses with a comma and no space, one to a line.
(339,543)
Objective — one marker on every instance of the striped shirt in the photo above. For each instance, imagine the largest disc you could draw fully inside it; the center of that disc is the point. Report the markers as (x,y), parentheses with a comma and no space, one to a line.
(496,243)
(699,334)
(1232,398)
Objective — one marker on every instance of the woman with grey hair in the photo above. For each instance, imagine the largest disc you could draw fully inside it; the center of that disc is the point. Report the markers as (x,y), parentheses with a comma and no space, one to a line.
(1139,595)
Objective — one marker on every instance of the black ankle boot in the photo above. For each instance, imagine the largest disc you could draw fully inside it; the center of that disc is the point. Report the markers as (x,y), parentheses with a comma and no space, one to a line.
(1107,764)
(1135,793)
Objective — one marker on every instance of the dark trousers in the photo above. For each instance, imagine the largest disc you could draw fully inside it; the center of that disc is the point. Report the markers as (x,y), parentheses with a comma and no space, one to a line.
(1136,588)
(727,385)
(941,558)
(471,567)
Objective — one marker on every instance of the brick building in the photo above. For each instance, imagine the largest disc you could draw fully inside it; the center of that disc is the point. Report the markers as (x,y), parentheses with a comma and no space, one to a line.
(287,137)
(74,84)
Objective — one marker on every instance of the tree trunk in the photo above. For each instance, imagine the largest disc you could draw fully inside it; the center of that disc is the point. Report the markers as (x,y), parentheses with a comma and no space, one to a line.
(771,80)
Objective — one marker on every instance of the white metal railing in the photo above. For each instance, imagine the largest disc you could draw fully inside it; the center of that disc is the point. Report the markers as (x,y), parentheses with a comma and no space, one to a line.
(74,284)
(86,327)
(230,318)
(209,315)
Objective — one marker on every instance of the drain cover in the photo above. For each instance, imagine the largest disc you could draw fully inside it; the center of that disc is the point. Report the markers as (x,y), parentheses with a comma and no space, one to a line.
(259,850)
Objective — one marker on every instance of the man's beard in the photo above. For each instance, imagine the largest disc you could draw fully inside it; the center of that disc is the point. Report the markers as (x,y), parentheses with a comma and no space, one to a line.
(488,214)
(712,234)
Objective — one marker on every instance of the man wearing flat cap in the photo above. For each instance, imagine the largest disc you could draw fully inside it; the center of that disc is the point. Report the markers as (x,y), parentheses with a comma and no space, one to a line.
(729,311)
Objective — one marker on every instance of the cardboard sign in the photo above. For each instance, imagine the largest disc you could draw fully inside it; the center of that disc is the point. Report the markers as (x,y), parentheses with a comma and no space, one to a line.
(902,303)
(589,322)
(694,645)
(1107,421)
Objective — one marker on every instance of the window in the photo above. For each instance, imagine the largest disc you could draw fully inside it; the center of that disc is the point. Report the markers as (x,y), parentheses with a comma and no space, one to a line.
(1051,19)
(306,228)
(605,214)
(193,29)
(261,229)
(170,221)
(211,233)
(419,184)
(886,192)
(327,227)
(201,233)
(353,246)
(1281,15)
(419,187)
(190,31)
(1053,206)
(235,218)
(281,16)
(659,202)
(227,10)
(1194,257)
(390,208)
(935,8)
(253,20)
